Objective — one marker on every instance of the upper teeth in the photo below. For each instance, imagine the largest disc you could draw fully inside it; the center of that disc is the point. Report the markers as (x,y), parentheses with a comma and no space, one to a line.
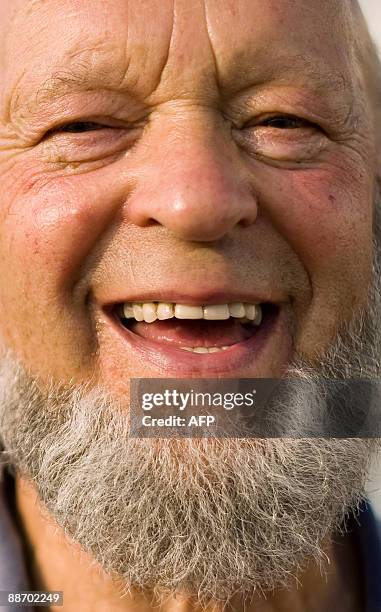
(151,311)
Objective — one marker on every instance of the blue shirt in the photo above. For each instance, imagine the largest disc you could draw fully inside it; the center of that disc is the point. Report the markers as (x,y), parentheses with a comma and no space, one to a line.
(365,529)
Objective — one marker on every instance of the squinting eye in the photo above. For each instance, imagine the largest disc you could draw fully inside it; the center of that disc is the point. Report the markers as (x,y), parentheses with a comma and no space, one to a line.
(285,122)
(80,126)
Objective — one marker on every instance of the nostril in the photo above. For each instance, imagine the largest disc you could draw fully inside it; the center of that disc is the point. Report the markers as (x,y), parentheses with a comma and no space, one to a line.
(245,222)
(146,222)
(151,222)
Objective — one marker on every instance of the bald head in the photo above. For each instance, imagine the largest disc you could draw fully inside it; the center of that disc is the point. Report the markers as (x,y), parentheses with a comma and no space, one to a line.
(366,57)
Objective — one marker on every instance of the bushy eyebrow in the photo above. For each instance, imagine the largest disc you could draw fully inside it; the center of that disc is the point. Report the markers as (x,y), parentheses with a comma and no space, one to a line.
(299,69)
(81,77)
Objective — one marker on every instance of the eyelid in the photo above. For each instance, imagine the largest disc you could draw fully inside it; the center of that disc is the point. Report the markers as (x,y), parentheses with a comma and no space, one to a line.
(106,123)
(60,128)
(96,125)
(258,121)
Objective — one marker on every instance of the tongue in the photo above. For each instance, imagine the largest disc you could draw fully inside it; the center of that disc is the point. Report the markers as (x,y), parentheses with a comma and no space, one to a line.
(194,333)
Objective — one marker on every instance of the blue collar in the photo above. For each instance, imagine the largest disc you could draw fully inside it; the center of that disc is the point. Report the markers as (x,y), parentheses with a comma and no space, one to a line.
(367,530)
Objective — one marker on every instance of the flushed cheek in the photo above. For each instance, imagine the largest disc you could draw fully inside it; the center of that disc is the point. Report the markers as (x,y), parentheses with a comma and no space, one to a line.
(53,222)
(333,226)
(49,227)
(327,220)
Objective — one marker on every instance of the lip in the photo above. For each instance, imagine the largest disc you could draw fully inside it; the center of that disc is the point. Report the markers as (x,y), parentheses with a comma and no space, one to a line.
(177,363)
(218,296)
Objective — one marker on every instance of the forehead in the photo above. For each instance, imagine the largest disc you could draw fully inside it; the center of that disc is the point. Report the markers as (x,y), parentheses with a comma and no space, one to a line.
(151,44)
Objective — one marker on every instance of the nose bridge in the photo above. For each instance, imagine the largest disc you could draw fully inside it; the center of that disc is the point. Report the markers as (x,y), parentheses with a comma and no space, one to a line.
(192,183)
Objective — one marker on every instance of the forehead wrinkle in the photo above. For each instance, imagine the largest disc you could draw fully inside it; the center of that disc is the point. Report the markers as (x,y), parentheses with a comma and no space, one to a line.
(262,66)
(104,62)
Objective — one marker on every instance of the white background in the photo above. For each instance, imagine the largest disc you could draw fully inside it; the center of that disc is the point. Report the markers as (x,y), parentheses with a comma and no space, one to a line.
(372,10)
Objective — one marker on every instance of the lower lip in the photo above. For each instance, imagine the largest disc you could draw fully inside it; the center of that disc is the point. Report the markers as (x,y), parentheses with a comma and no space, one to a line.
(177,363)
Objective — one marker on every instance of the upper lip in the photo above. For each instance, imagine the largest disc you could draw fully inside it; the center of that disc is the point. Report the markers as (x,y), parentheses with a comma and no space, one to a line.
(195,298)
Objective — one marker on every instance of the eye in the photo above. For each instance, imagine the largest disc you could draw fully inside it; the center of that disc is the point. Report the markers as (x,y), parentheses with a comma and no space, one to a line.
(285,122)
(281,138)
(80,126)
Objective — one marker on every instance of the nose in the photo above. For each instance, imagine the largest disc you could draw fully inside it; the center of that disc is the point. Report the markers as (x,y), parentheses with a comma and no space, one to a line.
(193,186)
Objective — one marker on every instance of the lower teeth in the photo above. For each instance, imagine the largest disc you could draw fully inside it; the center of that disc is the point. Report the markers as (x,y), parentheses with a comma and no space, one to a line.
(204,349)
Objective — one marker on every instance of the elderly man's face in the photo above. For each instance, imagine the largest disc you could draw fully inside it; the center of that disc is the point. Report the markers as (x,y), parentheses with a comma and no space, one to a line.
(198,153)
(207,153)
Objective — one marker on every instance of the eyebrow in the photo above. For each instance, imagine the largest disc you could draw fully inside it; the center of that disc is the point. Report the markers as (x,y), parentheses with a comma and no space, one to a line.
(301,69)
(78,78)
(82,77)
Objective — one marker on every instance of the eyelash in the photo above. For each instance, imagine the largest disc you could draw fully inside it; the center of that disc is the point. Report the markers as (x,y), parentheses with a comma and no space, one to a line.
(290,118)
(94,127)
(91,126)
(269,122)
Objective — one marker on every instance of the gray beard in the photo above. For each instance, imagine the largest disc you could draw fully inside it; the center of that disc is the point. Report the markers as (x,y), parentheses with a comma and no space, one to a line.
(211,518)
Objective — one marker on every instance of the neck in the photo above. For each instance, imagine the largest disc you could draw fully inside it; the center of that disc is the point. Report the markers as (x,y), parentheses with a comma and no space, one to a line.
(59,564)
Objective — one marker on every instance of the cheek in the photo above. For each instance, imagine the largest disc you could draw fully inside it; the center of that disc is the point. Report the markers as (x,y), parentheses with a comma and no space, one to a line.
(328,221)
(51,224)
(48,227)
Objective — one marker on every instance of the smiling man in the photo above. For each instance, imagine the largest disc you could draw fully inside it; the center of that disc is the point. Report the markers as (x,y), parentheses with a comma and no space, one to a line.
(188,189)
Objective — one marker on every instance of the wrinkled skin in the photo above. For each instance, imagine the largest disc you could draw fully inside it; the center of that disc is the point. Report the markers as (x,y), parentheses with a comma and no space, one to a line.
(185,179)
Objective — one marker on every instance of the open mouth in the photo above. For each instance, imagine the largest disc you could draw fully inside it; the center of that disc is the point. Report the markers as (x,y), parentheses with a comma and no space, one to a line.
(199,329)
(206,338)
